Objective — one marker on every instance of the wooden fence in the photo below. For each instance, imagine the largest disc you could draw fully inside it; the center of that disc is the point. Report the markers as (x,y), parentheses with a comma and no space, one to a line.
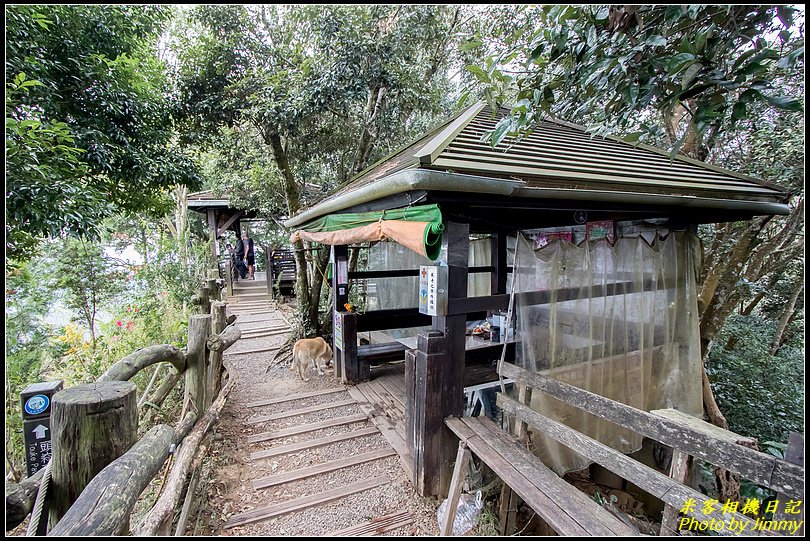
(99,468)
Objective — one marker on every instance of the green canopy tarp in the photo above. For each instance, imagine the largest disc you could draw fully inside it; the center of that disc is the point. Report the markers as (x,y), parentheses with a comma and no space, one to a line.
(418,228)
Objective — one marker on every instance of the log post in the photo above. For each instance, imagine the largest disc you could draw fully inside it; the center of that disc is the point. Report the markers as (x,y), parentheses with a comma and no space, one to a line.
(213,290)
(199,327)
(229,276)
(104,507)
(215,357)
(92,425)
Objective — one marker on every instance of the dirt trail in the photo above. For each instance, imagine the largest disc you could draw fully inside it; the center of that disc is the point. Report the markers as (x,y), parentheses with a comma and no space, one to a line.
(227,491)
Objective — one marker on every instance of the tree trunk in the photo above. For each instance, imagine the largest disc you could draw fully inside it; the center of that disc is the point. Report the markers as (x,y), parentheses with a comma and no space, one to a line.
(787,316)
(319,261)
(292,197)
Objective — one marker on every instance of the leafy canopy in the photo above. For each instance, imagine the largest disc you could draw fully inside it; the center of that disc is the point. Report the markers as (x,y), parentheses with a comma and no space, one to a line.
(614,65)
(87,124)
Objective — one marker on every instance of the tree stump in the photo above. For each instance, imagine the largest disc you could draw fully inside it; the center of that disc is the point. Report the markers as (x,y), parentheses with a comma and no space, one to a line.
(92,425)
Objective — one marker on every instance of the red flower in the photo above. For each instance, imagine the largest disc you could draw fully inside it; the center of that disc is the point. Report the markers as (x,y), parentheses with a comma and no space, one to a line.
(119,323)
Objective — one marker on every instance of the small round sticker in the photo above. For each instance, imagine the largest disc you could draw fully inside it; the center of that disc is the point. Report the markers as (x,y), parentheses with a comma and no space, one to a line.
(36,404)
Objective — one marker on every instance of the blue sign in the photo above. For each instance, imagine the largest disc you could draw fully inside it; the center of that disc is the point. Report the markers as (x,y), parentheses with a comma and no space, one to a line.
(36,404)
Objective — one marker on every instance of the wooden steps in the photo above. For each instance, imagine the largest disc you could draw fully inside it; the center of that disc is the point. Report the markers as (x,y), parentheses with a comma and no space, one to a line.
(306,502)
(285,432)
(311,444)
(300,396)
(303,473)
(301,411)
(382,404)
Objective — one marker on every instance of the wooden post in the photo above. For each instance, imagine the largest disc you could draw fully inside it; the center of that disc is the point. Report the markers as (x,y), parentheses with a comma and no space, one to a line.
(509,502)
(450,381)
(104,507)
(428,412)
(212,228)
(794,454)
(218,325)
(268,271)
(498,262)
(410,399)
(677,471)
(92,425)
(199,327)
(213,290)
(352,369)
(340,276)
(344,338)
(456,484)
(229,276)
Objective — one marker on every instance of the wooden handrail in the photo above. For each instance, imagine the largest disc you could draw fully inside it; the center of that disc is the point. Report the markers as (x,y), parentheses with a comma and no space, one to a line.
(702,442)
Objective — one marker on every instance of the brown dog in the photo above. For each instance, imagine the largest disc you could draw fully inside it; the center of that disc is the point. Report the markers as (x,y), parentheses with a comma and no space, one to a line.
(310,351)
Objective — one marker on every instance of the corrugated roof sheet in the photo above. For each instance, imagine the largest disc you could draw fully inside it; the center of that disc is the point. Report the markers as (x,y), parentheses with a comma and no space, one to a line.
(557,155)
(565,156)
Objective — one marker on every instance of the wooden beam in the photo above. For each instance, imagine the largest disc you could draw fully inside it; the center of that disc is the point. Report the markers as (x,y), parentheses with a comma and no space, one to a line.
(401,273)
(456,484)
(311,444)
(306,428)
(375,526)
(657,484)
(501,302)
(290,398)
(306,502)
(300,411)
(498,263)
(235,216)
(318,469)
(697,439)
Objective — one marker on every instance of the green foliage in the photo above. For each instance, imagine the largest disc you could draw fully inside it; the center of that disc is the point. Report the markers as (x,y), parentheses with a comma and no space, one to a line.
(310,75)
(615,64)
(761,395)
(88,278)
(29,294)
(88,130)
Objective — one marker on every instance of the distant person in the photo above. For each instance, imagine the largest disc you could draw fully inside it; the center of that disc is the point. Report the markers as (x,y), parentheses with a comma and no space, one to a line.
(245,255)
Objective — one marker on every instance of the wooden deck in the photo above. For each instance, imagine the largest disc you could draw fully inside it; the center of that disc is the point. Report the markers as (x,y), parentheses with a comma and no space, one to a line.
(383,400)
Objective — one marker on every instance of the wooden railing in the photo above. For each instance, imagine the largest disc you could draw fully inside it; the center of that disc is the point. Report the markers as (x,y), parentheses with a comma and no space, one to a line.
(98,469)
(688,436)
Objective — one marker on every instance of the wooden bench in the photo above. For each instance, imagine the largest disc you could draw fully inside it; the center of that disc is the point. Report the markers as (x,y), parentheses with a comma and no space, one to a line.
(381,353)
(565,508)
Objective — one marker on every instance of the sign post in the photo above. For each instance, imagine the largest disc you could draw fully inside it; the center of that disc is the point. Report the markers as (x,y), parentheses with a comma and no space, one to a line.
(36,412)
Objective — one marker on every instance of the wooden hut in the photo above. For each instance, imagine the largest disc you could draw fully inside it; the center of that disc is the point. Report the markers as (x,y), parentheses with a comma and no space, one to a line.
(447,186)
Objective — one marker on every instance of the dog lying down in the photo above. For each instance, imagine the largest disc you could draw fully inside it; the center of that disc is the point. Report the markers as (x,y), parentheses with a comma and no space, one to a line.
(309,352)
